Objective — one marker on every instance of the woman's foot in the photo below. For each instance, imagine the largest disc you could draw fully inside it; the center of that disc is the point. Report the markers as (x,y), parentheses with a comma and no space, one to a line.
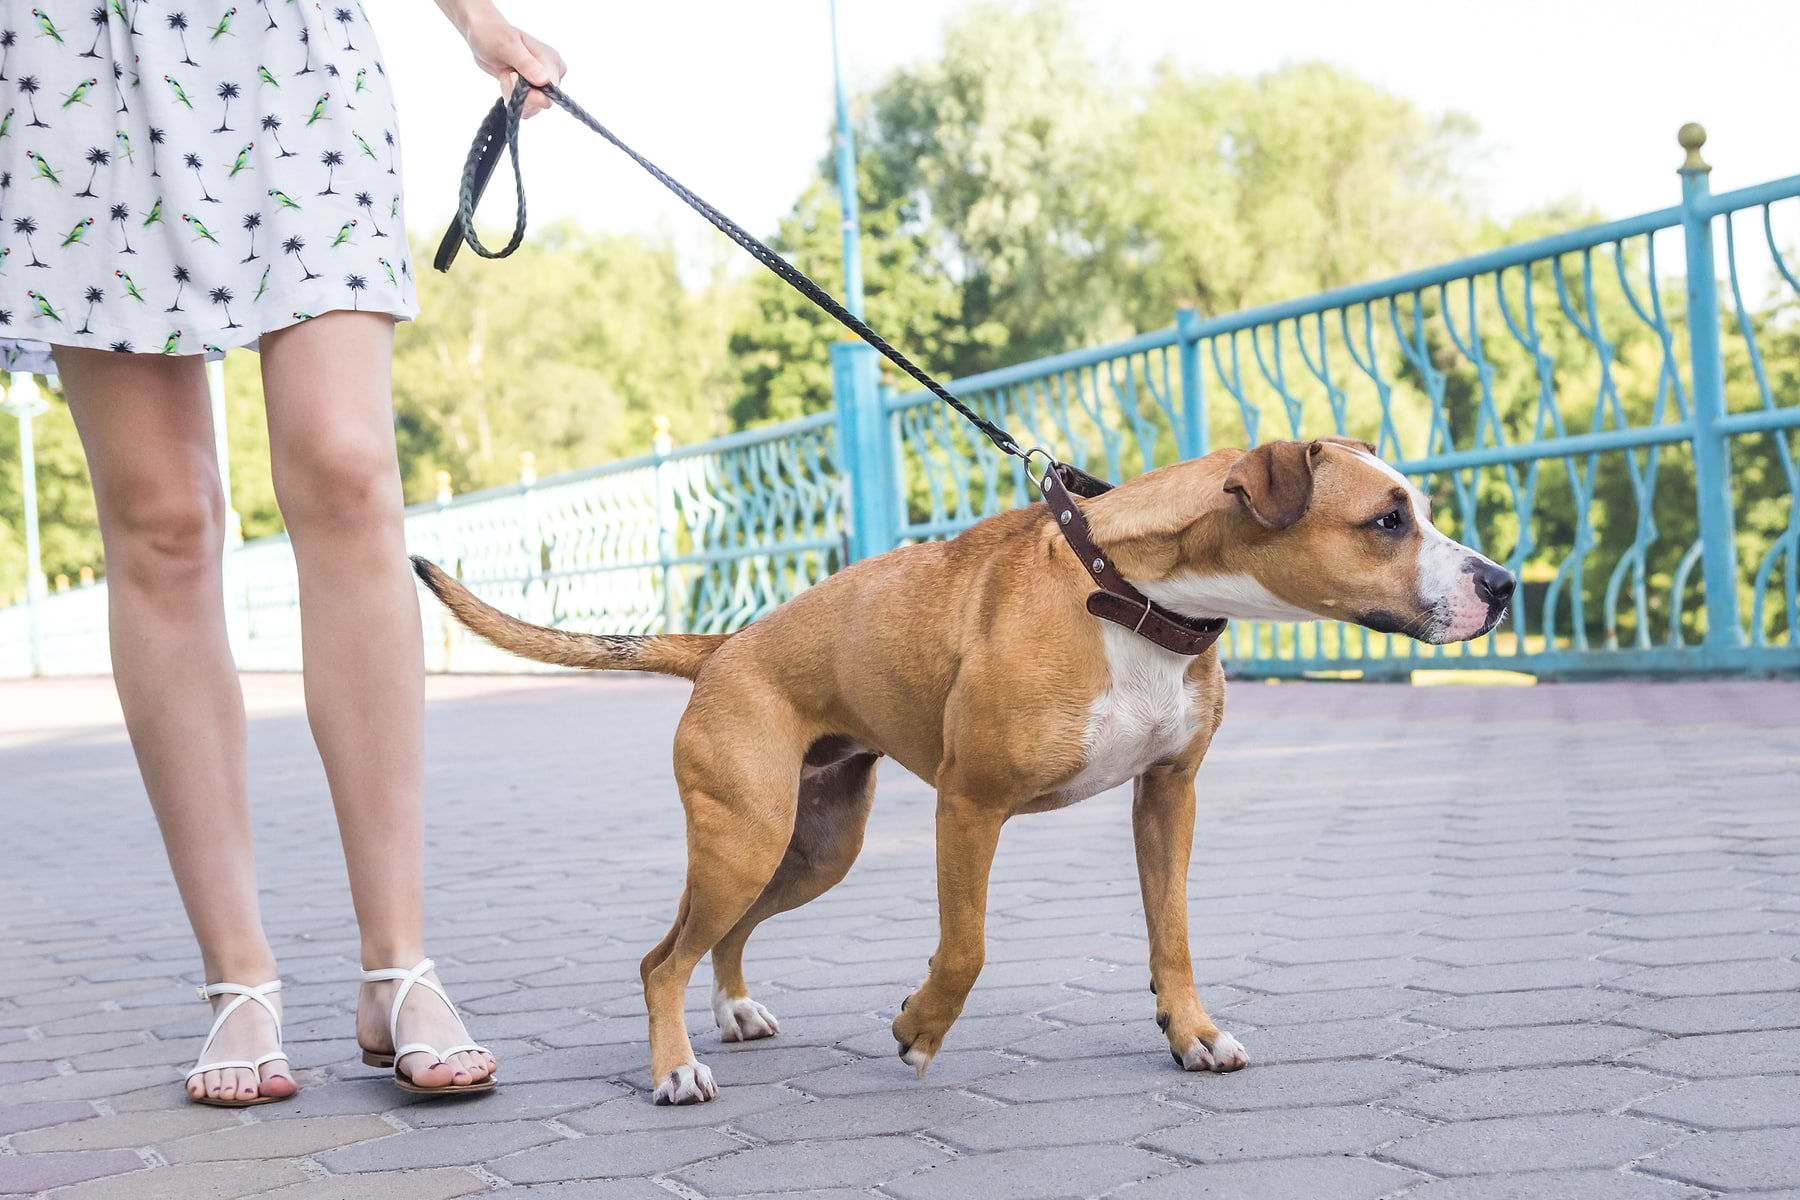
(424,1017)
(246,1036)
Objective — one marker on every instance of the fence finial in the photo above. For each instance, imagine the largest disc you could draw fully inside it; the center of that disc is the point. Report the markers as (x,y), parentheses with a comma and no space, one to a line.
(660,441)
(527,467)
(443,487)
(1693,136)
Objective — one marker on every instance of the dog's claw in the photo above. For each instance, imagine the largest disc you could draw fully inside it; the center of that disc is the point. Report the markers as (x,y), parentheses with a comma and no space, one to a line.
(690,1083)
(1225,1054)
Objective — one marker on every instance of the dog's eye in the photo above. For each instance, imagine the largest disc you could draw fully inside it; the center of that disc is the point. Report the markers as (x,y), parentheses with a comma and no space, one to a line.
(1390,521)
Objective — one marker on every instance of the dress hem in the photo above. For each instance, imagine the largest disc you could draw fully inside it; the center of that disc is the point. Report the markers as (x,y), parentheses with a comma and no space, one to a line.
(34,355)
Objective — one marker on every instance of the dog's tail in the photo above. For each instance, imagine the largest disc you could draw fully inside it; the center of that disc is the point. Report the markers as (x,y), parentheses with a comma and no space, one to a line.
(664,654)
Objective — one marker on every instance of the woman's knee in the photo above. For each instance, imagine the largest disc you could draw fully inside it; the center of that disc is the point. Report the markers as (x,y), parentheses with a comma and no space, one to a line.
(165,528)
(341,479)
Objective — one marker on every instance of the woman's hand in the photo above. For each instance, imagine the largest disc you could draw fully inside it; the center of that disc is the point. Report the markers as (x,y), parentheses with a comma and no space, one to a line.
(505,51)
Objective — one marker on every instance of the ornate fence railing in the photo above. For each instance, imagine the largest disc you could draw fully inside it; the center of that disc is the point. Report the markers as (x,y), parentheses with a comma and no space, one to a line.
(1592,409)
(697,538)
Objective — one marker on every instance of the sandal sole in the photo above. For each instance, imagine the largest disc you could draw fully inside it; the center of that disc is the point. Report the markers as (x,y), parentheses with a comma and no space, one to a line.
(210,1103)
(371,1059)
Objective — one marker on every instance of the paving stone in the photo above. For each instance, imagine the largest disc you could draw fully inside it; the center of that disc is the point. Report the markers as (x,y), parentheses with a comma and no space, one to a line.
(1281,1179)
(445,1183)
(16,1118)
(733,1107)
(951,1068)
(1729,1103)
(1706,1056)
(1350,1129)
(1323,1006)
(1038,1174)
(128,1130)
(1509,1009)
(1059,1123)
(1291,1085)
(1713,979)
(1520,977)
(193,1181)
(277,1139)
(848,1163)
(1715,1014)
(1140,1074)
(601,1157)
(1331,1040)
(865,1116)
(513,1102)
(1528,1092)
(1547,1142)
(449,1146)
(1528,1046)
(1733,1159)
(1553,1185)
(599,1189)
(28,1173)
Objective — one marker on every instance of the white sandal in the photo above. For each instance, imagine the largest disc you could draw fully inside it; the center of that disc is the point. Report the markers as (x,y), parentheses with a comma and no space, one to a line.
(392,1059)
(259,994)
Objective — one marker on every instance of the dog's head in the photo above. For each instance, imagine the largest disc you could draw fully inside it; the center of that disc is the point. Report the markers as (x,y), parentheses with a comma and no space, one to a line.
(1326,529)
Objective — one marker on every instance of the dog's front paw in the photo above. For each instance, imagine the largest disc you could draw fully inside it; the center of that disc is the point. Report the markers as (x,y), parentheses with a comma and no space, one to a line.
(1225,1054)
(690,1083)
(743,1019)
(918,1045)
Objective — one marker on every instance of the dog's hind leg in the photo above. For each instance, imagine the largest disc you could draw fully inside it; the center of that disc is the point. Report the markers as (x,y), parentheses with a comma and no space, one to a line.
(739,787)
(828,835)
(968,831)
(1162,821)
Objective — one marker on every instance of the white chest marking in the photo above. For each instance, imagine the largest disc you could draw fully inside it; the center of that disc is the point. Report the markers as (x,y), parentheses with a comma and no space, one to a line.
(1148,713)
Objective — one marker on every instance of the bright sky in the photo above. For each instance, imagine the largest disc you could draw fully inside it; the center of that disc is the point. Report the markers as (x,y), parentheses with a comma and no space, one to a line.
(1575,98)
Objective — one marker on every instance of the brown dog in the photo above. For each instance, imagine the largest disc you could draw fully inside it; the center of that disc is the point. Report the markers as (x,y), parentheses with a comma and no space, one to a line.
(915,655)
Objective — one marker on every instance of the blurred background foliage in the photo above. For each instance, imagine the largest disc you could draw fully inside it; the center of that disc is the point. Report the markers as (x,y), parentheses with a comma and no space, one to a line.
(1017,200)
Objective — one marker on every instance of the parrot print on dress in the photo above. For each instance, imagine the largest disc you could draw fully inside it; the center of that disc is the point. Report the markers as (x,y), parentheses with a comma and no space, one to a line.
(109,267)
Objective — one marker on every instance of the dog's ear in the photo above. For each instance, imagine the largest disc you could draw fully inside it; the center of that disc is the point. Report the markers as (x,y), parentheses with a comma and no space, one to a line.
(1274,482)
(1353,443)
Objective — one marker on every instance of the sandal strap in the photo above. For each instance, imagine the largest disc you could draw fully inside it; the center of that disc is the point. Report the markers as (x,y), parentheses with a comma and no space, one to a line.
(409,978)
(442,1056)
(244,994)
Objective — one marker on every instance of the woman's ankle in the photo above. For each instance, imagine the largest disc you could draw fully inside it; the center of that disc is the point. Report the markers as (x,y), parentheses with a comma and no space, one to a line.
(250,964)
(381,953)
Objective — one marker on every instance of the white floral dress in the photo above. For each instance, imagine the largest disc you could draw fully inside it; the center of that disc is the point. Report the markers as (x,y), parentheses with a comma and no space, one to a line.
(182,176)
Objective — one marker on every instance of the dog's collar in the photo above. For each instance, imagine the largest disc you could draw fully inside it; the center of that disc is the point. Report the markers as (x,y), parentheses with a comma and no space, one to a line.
(1117,600)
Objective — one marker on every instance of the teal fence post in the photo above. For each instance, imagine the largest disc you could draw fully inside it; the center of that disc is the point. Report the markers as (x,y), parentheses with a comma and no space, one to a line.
(1191,439)
(863,452)
(1712,451)
(661,444)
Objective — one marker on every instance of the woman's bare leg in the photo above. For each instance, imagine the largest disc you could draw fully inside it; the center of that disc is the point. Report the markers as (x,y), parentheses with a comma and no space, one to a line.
(331,436)
(146,426)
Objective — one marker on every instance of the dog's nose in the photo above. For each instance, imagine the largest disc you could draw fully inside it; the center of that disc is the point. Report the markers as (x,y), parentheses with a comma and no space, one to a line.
(1494,584)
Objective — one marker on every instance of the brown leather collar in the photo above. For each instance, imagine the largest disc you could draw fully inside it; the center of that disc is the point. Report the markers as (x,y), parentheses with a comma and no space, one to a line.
(1117,600)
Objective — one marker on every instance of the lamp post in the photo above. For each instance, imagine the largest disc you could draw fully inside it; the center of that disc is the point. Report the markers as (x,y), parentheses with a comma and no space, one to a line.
(24,401)
(846,173)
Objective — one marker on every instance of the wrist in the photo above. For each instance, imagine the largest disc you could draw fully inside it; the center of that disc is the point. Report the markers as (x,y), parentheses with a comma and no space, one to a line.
(469,15)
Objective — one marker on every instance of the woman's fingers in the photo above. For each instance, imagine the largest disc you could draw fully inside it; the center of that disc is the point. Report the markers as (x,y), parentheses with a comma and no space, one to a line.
(542,66)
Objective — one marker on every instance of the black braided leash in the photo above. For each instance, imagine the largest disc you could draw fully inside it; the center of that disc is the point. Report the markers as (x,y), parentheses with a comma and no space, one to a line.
(1116,601)
(500,130)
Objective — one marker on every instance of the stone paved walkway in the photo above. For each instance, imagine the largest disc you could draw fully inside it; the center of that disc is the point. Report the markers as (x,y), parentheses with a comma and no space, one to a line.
(1479,943)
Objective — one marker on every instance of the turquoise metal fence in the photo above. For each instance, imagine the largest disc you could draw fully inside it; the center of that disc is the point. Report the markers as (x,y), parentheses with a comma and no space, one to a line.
(1591,409)
(1576,413)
